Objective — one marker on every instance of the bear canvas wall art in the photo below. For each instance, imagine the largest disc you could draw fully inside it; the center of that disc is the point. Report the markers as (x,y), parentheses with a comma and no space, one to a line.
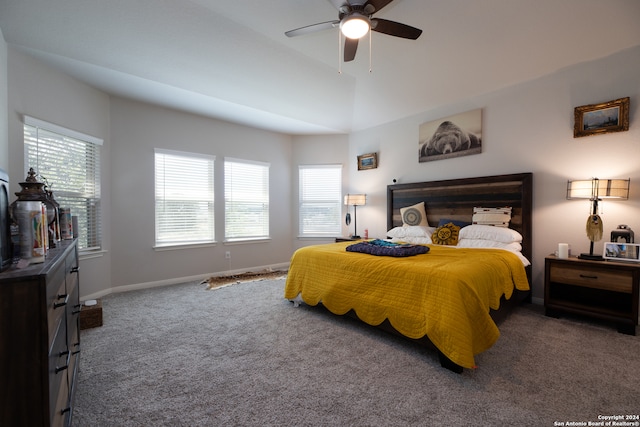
(454,136)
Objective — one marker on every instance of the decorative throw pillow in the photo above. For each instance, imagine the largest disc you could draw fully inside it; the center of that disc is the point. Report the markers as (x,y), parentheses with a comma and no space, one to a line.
(446,235)
(414,215)
(498,217)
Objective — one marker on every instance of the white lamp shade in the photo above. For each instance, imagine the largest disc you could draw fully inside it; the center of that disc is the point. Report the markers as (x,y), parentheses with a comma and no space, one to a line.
(598,189)
(355,26)
(355,199)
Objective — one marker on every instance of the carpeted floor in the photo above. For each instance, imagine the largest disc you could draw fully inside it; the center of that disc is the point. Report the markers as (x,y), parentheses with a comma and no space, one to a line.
(241,355)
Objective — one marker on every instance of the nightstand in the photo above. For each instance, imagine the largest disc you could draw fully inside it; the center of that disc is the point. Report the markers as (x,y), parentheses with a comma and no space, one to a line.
(347,239)
(604,290)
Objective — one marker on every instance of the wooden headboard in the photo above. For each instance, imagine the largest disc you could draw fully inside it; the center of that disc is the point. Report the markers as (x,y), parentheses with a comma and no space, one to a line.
(456,198)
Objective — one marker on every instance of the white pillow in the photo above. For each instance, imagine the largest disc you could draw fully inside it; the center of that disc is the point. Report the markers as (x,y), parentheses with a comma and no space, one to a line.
(513,247)
(481,243)
(488,232)
(413,240)
(411,231)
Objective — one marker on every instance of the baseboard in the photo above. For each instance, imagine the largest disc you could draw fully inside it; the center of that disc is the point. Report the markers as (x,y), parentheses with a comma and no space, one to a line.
(177,280)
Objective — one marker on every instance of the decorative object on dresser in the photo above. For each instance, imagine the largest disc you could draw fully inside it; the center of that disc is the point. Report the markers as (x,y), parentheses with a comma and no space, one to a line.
(622,251)
(622,234)
(34,190)
(355,200)
(594,119)
(602,290)
(40,339)
(595,190)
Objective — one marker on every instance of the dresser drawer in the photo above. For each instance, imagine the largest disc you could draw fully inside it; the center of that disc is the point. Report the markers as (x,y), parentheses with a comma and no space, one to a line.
(600,278)
(56,309)
(60,410)
(59,358)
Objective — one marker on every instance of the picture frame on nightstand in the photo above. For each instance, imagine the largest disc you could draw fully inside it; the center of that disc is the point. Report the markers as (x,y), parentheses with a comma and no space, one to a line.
(621,251)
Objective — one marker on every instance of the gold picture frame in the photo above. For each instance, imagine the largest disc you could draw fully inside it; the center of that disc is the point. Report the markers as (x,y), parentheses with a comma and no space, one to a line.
(368,161)
(596,119)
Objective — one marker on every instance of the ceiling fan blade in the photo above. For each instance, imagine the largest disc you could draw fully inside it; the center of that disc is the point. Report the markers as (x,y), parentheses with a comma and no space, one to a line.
(350,48)
(312,28)
(395,29)
(377,4)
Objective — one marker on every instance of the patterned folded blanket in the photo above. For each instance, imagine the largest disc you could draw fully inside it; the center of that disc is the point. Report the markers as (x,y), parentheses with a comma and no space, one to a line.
(383,248)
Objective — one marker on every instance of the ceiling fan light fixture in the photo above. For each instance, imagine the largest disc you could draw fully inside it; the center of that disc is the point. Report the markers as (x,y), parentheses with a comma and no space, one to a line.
(355,26)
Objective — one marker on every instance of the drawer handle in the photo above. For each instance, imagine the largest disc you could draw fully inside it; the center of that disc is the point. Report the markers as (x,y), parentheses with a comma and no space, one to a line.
(62,368)
(75,269)
(61,304)
(586,276)
(65,410)
(77,309)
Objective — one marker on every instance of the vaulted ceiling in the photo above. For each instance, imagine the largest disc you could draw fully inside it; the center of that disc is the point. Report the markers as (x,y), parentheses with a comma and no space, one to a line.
(231,59)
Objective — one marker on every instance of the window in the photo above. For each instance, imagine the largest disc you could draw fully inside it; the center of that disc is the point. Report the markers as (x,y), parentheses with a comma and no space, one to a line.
(69,162)
(246,200)
(184,198)
(320,200)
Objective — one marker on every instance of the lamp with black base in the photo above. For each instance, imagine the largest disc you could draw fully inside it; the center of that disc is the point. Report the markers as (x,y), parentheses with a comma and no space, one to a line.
(354,200)
(595,190)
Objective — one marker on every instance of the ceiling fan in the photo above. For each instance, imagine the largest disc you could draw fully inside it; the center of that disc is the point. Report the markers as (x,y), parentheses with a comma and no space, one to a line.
(355,18)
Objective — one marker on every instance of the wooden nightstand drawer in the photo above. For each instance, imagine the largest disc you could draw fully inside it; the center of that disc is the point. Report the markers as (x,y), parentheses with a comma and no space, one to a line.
(605,290)
(610,280)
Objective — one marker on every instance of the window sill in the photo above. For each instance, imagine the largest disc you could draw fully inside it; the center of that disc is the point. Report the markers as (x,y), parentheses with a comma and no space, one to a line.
(247,241)
(91,254)
(183,246)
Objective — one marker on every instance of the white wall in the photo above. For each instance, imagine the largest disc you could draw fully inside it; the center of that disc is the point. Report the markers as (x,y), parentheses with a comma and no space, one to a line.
(526,128)
(136,129)
(46,94)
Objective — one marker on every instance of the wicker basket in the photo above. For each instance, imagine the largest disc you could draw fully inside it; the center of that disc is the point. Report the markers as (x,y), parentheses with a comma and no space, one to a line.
(91,316)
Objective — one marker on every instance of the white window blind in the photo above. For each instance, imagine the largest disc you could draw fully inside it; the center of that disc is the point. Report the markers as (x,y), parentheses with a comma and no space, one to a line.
(320,196)
(184,198)
(69,162)
(246,199)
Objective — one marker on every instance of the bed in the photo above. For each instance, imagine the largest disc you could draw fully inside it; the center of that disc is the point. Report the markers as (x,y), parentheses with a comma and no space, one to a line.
(451,297)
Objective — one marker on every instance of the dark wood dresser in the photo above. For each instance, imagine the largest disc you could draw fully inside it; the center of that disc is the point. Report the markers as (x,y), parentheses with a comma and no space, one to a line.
(40,339)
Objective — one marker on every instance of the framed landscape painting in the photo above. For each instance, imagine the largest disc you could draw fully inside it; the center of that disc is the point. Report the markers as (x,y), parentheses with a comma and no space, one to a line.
(594,119)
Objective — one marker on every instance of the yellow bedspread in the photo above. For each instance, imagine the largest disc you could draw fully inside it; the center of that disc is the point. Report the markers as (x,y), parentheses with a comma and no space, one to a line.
(445,294)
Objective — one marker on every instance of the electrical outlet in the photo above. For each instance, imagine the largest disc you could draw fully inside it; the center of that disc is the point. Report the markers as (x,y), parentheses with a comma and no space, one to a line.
(227,255)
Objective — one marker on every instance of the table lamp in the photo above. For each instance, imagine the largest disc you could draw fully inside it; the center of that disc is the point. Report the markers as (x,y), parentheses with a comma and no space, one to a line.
(595,190)
(354,200)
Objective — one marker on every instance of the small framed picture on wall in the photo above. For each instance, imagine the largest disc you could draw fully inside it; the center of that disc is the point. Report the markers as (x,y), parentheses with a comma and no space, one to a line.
(594,119)
(368,161)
